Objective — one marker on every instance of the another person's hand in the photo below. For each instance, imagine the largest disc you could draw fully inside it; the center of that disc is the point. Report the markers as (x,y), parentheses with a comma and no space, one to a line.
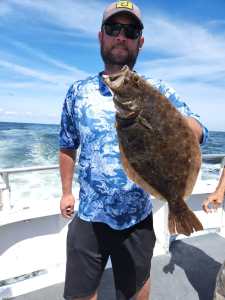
(213,202)
(67,205)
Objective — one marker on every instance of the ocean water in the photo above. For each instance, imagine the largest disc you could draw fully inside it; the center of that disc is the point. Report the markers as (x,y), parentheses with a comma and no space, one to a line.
(27,145)
(214,145)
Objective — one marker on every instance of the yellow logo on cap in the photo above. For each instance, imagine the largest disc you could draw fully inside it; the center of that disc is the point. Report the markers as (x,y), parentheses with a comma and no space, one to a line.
(124,4)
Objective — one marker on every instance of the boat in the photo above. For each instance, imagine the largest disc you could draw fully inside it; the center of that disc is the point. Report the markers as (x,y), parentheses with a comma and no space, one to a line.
(33,241)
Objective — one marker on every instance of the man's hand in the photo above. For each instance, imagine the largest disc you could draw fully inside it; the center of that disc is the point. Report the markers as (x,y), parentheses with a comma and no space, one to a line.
(67,205)
(213,202)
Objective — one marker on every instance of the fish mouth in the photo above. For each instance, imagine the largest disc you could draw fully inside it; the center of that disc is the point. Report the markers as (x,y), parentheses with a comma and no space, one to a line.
(117,80)
(118,84)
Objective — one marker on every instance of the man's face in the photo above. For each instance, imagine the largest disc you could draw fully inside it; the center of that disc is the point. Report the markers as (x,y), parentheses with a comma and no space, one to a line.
(120,50)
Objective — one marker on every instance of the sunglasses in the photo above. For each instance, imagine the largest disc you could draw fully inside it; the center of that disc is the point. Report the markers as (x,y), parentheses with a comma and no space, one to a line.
(131,31)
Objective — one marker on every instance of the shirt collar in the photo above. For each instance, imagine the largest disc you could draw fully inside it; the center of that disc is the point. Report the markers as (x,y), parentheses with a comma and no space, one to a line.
(103,88)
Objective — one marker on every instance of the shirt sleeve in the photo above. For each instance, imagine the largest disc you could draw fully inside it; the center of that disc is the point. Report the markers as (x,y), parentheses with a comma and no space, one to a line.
(69,136)
(183,108)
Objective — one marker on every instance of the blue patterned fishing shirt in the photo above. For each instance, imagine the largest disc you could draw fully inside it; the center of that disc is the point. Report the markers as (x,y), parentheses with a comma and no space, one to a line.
(88,121)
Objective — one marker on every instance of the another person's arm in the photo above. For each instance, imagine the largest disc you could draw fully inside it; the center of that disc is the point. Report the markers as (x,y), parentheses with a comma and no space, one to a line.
(217,197)
(67,158)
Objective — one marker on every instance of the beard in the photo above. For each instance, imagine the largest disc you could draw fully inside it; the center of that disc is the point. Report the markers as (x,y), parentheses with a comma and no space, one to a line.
(119,55)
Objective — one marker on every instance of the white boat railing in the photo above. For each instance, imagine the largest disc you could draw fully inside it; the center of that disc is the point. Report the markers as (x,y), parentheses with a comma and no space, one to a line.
(213,158)
(5,187)
(5,174)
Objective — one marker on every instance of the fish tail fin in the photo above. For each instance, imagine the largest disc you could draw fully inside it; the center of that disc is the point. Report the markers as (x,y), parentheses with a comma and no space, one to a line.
(182,220)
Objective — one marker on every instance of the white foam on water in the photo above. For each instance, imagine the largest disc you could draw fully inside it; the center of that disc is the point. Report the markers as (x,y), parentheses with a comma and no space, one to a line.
(210,171)
(35,187)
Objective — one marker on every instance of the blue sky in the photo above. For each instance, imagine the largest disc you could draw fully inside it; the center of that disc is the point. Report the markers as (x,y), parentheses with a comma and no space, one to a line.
(48,44)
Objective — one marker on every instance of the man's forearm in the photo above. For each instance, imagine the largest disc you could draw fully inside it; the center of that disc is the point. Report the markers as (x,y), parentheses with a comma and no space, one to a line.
(196,127)
(67,160)
(221,185)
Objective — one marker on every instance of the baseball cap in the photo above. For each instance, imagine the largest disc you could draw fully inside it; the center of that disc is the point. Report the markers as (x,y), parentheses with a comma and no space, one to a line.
(122,6)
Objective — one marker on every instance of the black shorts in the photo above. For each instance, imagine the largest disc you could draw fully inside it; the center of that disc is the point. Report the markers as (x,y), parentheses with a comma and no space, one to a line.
(89,245)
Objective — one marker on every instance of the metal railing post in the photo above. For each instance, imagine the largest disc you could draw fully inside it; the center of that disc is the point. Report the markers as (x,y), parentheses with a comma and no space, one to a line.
(4,191)
(5,188)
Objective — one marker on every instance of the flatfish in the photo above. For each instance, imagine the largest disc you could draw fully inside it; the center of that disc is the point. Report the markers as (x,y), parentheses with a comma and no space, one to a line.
(159,151)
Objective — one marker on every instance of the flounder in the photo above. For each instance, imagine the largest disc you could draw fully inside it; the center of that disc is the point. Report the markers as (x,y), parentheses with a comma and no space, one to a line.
(158,149)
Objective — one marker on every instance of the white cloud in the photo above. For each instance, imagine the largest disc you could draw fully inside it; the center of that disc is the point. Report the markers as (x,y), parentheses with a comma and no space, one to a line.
(16,68)
(9,85)
(181,38)
(191,51)
(28,113)
(4,9)
(185,68)
(53,115)
(206,100)
(46,58)
(11,113)
(41,75)
(82,15)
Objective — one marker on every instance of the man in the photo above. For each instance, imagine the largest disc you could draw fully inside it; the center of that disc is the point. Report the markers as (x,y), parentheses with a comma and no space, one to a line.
(216,198)
(115,215)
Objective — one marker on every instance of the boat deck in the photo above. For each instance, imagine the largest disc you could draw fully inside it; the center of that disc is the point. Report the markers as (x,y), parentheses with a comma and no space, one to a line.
(187,272)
